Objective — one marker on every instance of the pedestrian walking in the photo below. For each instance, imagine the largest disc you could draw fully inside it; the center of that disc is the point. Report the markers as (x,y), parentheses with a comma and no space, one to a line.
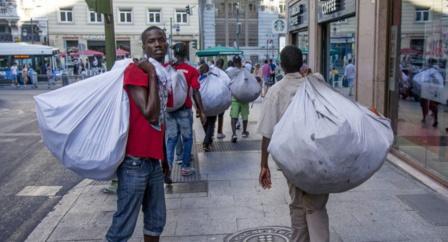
(33,76)
(25,75)
(50,77)
(272,71)
(238,108)
(180,122)
(209,124)
(350,75)
(220,135)
(14,75)
(140,176)
(267,81)
(309,218)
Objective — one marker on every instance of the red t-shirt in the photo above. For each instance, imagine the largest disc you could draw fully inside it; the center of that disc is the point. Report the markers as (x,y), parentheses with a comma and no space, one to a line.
(143,140)
(192,77)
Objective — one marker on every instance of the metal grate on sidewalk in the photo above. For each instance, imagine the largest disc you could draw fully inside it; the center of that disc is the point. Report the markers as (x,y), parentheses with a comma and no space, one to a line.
(241,145)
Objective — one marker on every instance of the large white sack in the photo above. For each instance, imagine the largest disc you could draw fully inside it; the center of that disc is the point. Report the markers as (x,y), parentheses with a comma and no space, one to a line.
(215,93)
(326,143)
(177,88)
(85,125)
(244,87)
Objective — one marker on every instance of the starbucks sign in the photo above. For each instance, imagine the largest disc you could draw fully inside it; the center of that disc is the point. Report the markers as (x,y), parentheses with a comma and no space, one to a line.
(279,26)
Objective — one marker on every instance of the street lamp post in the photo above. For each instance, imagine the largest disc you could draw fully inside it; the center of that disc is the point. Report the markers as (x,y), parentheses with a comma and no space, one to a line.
(237,25)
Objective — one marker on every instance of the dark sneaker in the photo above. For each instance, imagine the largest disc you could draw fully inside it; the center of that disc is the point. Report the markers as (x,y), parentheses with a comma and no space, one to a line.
(234,138)
(245,134)
(206,148)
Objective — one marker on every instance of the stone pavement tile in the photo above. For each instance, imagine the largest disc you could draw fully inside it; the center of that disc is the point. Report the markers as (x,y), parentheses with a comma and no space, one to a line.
(205,225)
(260,198)
(103,218)
(207,202)
(238,212)
(207,238)
(173,203)
(273,220)
(371,232)
(281,210)
(78,219)
(87,232)
(185,195)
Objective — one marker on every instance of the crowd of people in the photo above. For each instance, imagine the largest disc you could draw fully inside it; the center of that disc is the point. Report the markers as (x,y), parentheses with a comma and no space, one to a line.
(24,75)
(157,138)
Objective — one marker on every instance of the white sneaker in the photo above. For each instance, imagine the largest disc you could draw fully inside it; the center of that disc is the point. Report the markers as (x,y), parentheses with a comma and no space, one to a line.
(221,136)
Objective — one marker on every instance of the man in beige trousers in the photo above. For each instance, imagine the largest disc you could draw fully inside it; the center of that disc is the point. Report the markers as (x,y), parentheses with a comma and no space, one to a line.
(309,218)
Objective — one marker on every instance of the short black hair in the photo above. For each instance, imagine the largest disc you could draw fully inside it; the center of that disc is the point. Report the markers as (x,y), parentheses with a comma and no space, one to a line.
(291,59)
(180,49)
(236,59)
(220,62)
(350,61)
(229,63)
(265,61)
(143,36)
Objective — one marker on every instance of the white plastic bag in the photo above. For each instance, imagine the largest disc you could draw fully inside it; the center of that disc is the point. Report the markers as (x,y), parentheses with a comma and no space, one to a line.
(326,143)
(215,93)
(177,88)
(244,87)
(85,125)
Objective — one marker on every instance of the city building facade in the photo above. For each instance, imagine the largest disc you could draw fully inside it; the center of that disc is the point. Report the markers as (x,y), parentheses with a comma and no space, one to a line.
(9,21)
(399,50)
(72,25)
(257,27)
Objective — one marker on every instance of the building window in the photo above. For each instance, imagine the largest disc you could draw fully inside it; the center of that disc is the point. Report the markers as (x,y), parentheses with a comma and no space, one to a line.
(125,15)
(153,16)
(422,14)
(95,17)
(66,15)
(181,17)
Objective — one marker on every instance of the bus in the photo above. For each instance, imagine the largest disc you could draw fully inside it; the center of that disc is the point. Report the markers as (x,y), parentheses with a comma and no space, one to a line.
(34,56)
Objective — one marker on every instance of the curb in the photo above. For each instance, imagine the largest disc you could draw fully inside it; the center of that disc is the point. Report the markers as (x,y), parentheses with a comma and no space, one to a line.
(46,227)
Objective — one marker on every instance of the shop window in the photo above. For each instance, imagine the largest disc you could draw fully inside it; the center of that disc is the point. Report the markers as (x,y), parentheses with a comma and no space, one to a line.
(66,15)
(125,15)
(422,14)
(422,123)
(340,55)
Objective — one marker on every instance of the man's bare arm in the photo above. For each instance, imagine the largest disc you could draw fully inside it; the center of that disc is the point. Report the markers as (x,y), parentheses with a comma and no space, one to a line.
(147,99)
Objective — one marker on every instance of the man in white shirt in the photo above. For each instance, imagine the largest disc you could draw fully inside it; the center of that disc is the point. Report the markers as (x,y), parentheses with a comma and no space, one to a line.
(350,75)
(309,218)
(248,66)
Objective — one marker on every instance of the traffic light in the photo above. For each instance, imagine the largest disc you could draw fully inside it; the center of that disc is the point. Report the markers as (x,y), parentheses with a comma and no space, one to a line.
(194,44)
(188,10)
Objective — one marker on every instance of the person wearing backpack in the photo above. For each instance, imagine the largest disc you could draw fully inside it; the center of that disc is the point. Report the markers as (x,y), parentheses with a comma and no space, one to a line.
(180,122)
(309,218)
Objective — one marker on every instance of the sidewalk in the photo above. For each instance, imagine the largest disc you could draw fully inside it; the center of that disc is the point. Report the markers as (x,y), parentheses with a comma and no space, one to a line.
(391,206)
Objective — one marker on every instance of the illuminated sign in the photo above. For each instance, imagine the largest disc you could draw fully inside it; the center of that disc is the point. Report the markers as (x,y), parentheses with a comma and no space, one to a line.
(22,56)
(330,6)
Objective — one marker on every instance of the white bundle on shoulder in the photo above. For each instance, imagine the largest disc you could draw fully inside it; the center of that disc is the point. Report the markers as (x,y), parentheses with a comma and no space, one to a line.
(215,93)
(244,86)
(326,143)
(85,125)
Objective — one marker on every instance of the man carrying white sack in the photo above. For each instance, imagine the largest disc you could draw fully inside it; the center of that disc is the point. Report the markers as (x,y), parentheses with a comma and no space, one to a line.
(309,218)
(140,177)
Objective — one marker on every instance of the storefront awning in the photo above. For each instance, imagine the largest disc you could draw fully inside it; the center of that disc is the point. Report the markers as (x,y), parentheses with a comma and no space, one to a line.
(218,50)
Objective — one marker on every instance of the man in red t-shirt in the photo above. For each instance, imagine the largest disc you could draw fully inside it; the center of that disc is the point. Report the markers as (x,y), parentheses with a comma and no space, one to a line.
(180,122)
(140,176)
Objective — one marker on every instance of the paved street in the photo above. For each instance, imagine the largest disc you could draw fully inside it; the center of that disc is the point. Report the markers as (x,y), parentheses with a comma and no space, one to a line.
(25,162)
(227,204)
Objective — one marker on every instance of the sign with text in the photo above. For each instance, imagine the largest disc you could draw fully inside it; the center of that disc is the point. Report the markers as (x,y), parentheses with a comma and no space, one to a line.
(297,15)
(329,10)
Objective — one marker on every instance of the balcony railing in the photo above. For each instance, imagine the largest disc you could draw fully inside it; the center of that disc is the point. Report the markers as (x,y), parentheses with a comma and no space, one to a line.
(8,11)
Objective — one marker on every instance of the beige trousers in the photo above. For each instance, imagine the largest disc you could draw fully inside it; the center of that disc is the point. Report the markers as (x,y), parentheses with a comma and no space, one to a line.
(309,218)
